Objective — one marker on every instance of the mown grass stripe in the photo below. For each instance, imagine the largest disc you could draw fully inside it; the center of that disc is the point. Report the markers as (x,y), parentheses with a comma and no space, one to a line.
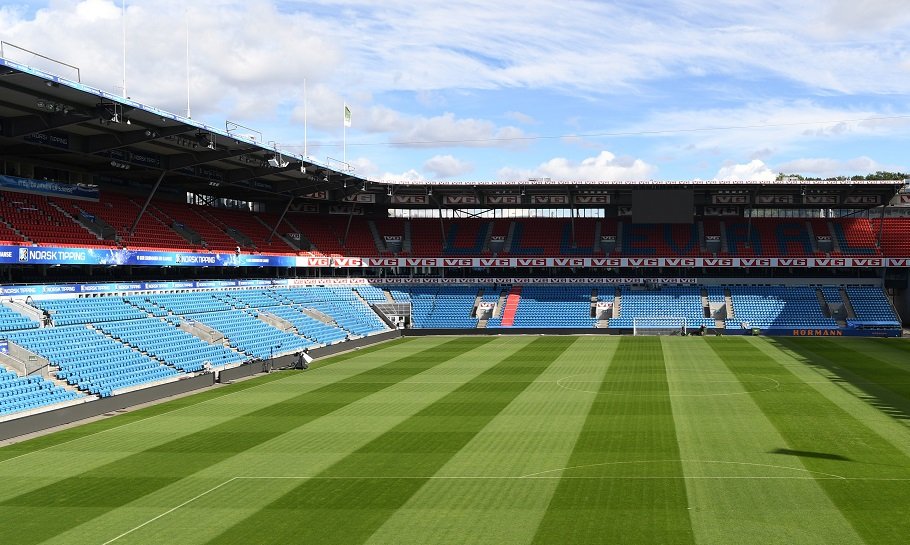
(630,421)
(479,495)
(738,491)
(344,505)
(77,499)
(829,440)
(71,434)
(872,368)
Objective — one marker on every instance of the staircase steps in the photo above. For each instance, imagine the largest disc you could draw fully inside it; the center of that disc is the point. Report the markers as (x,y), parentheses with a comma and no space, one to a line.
(508,314)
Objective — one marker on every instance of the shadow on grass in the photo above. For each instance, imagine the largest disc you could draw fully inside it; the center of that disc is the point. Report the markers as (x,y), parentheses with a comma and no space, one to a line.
(810,454)
(877,382)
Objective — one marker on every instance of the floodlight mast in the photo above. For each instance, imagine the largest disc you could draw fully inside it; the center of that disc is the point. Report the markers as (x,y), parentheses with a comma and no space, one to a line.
(123,32)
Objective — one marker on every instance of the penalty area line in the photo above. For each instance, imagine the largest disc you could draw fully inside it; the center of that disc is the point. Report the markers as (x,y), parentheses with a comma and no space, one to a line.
(530,477)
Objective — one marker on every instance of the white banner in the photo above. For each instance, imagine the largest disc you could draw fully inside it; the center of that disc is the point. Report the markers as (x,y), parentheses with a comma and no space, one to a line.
(774,199)
(409,199)
(729,199)
(459,200)
(346,209)
(721,211)
(502,199)
(868,200)
(362,198)
(603,262)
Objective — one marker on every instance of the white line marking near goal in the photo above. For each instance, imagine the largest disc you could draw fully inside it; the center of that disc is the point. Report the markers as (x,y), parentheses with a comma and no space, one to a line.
(775,386)
(169,511)
(542,475)
(828,475)
(121,426)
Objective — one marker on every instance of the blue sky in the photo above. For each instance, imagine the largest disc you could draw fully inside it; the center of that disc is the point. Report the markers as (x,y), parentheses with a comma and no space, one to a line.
(507,90)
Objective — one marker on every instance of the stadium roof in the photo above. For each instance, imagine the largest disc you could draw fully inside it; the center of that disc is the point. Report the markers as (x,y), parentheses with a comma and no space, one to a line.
(59,123)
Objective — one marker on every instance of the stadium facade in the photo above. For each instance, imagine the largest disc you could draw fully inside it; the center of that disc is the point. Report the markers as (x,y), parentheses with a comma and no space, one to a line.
(140,249)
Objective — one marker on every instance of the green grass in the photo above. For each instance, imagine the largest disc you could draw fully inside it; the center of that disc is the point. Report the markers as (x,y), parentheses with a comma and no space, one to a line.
(505,440)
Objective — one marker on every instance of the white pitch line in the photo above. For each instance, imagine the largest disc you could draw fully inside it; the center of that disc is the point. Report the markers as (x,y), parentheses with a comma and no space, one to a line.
(169,511)
(534,477)
(121,426)
(559,383)
(722,462)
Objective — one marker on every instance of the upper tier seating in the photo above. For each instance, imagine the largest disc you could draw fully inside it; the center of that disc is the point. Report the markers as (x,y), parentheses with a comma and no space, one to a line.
(327,233)
(214,238)
(40,221)
(52,222)
(257,226)
(895,239)
(120,212)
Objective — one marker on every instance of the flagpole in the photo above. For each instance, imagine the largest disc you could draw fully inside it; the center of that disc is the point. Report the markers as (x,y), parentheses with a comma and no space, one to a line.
(305,154)
(344,134)
(123,32)
(186,22)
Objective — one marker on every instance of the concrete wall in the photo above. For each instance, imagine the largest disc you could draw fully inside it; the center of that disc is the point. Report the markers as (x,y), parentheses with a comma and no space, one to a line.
(74,413)
(513,331)
(66,415)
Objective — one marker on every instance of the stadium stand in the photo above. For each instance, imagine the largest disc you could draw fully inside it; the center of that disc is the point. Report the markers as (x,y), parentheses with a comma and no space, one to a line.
(443,307)
(11,320)
(30,219)
(94,362)
(665,301)
(553,306)
(84,311)
(163,341)
(895,241)
(19,394)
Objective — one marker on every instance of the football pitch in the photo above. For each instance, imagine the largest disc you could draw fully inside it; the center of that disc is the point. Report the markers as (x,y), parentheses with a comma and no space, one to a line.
(500,440)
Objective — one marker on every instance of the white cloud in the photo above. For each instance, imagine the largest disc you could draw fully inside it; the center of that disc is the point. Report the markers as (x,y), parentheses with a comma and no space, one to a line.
(446,166)
(365,168)
(828,167)
(445,130)
(406,176)
(521,117)
(753,171)
(246,58)
(603,167)
(762,129)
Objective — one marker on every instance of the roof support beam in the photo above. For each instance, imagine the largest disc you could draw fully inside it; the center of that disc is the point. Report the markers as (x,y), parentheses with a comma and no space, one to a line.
(244,174)
(147,201)
(184,160)
(280,219)
(105,142)
(16,127)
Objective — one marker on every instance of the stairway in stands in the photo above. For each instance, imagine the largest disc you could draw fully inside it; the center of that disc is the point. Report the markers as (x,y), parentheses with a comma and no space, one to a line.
(508,314)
